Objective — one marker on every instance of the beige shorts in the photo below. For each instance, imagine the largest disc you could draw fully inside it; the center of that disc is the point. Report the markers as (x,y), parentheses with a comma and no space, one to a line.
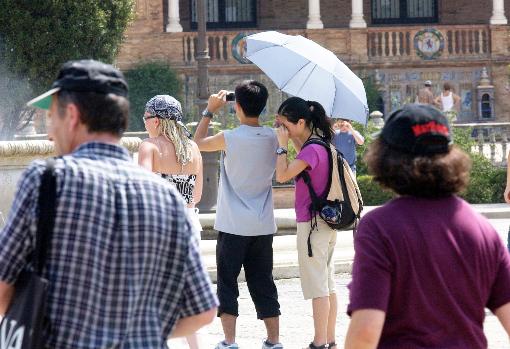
(316,272)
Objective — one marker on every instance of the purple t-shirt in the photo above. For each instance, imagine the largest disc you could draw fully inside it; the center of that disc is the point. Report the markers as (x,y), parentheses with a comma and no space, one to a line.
(316,157)
(432,265)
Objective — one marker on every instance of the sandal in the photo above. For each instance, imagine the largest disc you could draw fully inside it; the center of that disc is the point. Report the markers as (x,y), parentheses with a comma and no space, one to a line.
(313,346)
(331,345)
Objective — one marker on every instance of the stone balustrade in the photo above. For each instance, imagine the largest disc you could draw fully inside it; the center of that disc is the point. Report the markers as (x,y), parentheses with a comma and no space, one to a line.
(492,140)
(375,45)
(397,43)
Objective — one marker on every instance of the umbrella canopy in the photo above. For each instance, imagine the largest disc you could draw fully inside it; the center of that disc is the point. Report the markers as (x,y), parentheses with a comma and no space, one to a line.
(305,69)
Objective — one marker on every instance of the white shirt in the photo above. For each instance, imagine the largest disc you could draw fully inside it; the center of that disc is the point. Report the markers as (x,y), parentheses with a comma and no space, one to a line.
(447,102)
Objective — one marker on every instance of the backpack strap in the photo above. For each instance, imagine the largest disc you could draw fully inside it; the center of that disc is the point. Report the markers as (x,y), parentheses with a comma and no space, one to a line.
(313,195)
(316,140)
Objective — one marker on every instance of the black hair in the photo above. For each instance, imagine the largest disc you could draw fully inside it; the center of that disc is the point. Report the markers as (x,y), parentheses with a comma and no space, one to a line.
(295,108)
(98,111)
(252,97)
(431,176)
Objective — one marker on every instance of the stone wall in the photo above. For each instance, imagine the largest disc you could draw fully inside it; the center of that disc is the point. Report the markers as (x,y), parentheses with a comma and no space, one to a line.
(502,91)
(15,156)
(228,82)
(400,86)
(148,17)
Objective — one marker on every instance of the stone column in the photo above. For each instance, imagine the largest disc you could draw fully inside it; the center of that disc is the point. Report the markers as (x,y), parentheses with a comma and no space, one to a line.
(498,12)
(314,15)
(174,24)
(357,20)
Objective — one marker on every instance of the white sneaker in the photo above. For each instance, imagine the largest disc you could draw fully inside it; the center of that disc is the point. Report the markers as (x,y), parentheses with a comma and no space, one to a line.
(265,345)
(223,345)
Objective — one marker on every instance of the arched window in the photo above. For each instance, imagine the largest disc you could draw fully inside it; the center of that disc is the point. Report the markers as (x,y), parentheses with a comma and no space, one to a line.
(404,11)
(227,13)
(486,106)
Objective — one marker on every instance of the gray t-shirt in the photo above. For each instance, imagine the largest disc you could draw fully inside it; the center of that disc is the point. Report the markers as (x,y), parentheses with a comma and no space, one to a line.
(245,199)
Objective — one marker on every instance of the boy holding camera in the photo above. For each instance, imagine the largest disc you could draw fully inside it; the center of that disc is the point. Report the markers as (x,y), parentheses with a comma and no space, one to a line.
(244,215)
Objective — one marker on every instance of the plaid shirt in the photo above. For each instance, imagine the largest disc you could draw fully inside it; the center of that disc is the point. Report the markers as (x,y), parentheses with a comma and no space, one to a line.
(123,264)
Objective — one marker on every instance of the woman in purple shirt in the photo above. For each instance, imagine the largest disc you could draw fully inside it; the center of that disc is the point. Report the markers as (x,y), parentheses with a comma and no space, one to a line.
(301,120)
(426,264)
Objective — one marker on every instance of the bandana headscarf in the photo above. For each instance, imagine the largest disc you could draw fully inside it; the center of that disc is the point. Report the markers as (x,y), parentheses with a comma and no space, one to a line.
(166,107)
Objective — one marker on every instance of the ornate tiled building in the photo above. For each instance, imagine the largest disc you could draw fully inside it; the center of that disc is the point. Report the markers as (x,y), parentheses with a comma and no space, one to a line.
(401,43)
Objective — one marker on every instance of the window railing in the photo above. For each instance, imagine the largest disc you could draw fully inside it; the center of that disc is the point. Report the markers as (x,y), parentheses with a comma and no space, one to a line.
(223,14)
(404,11)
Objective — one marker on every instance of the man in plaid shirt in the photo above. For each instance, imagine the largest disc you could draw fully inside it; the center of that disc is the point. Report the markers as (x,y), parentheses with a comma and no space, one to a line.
(123,264)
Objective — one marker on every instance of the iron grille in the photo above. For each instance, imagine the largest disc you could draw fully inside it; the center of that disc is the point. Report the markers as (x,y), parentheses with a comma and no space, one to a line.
(404,11)
(227,14)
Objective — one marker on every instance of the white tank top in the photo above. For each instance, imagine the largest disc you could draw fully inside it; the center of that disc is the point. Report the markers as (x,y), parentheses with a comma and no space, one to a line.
(447,102)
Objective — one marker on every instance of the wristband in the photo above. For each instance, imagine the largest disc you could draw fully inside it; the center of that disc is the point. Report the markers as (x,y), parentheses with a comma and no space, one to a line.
(281,151)
(207,114)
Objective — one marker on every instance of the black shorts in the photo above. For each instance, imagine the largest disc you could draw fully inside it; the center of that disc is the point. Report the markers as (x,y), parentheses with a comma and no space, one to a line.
(255,254)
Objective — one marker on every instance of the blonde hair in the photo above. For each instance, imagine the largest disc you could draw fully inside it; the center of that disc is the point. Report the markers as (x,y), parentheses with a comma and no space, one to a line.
(179,137)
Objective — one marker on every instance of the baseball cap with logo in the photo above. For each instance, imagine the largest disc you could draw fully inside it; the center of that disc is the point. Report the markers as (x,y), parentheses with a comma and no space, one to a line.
(417,129)
(84,76)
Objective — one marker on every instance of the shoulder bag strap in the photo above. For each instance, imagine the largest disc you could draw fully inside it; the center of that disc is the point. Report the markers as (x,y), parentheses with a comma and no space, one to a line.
(46,221)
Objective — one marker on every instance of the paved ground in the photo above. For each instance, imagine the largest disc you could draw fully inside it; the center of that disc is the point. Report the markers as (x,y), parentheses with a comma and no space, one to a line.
(296,320)
(297,324)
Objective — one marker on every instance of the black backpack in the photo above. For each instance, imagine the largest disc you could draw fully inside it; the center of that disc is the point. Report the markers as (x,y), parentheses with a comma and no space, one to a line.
(338,214)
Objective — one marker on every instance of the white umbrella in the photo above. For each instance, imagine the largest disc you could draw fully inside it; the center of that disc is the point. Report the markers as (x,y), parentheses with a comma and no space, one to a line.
(305,69)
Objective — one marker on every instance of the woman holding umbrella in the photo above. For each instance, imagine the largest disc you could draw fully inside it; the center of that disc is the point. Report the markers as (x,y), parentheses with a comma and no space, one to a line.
(301,120)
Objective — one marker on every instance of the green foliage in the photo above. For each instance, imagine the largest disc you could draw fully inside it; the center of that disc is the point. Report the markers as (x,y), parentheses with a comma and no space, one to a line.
(145,81)
(36,37)
(367,133)
(462,138)
(487,182)
(40,35)
(372,193)
(373,94)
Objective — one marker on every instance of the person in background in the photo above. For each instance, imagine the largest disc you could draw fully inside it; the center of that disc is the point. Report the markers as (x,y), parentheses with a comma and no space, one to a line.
(448,102)
(425,95)
(426,264)
(123,265)
(345,139)
(245,213)
(171,154)
(301,120)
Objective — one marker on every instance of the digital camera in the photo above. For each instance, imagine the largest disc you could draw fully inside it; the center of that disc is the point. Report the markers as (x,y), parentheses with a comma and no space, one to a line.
(230,97)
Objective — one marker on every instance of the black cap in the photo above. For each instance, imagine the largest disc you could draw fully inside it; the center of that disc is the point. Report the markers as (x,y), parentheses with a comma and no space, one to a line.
(417,129)
(84,76)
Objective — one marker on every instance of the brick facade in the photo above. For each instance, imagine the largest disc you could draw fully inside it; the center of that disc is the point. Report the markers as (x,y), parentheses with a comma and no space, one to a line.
(464,12)
(470,44)
(293,14)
